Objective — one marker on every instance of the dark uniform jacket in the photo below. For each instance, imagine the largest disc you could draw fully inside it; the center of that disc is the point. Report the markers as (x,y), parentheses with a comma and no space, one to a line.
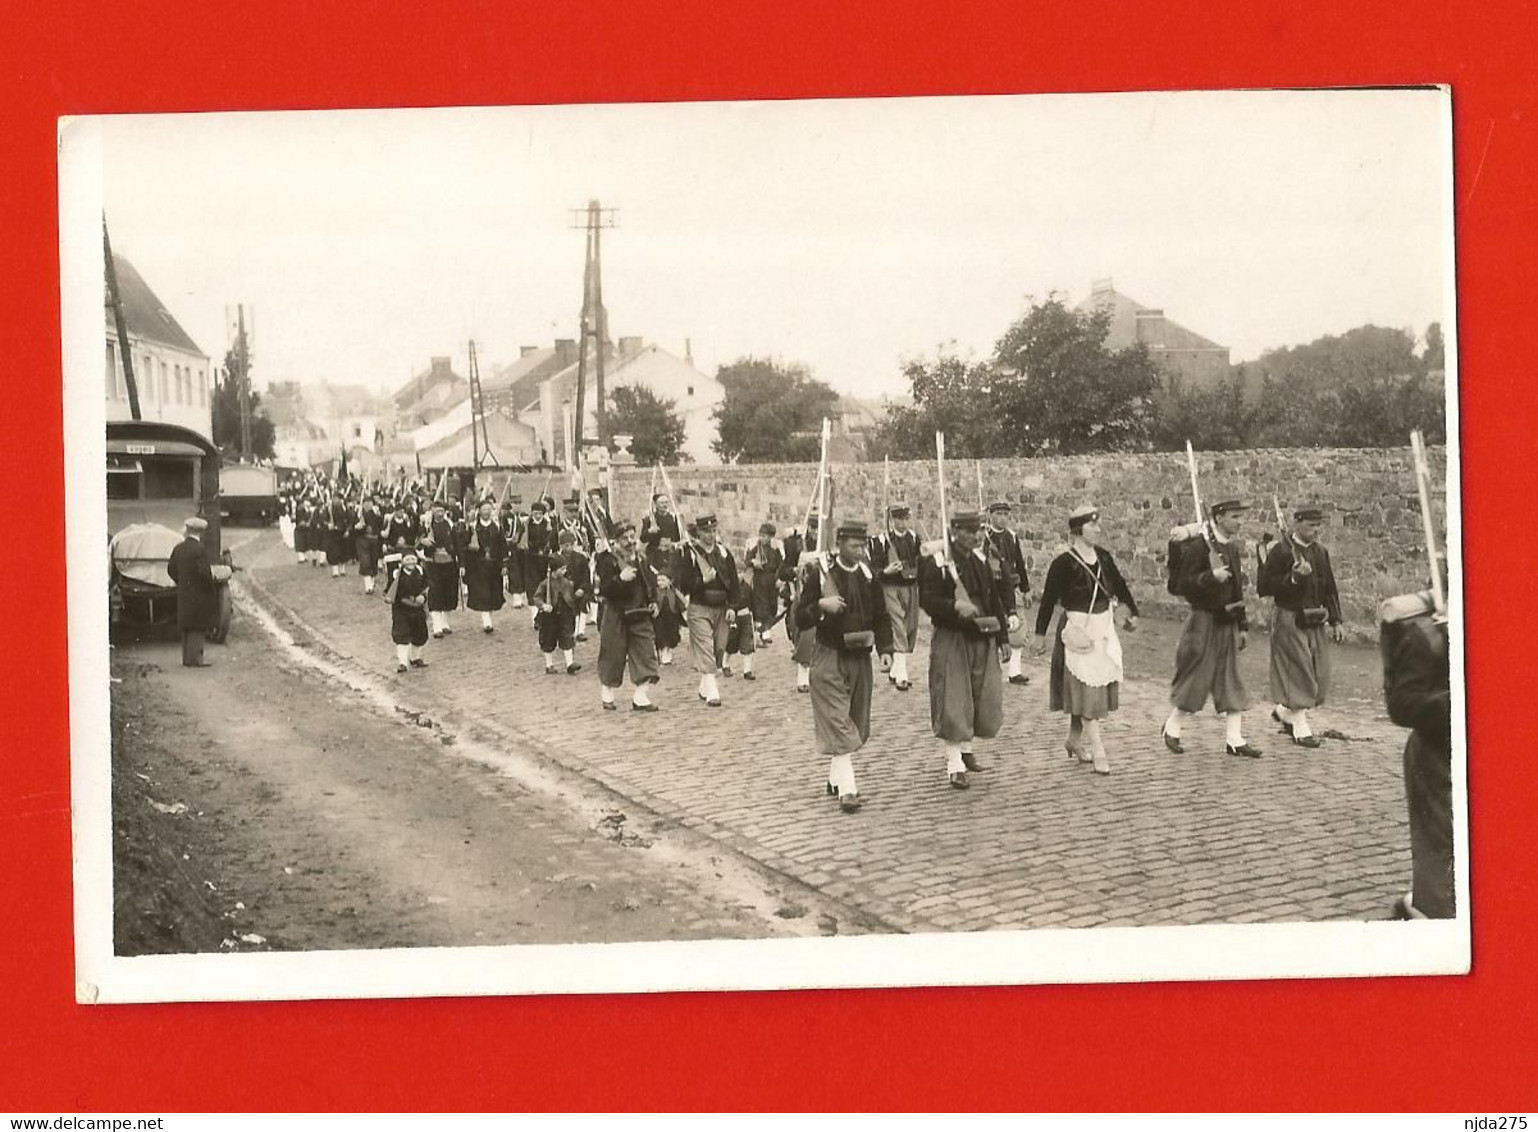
(864,607)
(1006,545)
(619,595)
(1416,676)
(400,533)
(1202,590)
(197,598)
(443,535)
(654,527)
(490,545)
(1292,591)
(989,593)
(890,546)
(722,589)
(1071,584)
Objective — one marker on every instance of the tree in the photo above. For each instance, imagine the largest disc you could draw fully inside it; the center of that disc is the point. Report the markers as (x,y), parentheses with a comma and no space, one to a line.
(1214,418)
(770,412)
(227,415)
(657,429)
(1365,388)
(946,394)
(1065,392)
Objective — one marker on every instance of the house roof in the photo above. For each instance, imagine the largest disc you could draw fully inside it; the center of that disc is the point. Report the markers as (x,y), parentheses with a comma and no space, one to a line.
(511,442)
(420,386)
(649,366)
(1124,332)
(350,400)
(146,316)
(518,382)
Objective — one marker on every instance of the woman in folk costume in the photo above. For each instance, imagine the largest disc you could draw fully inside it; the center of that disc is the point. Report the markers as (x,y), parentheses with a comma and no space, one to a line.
(440,542)
(1086,653)
(972,613)
(625,633)
(666,561)
(1298,575)
(408,612)
(482,549)
(841,610)
(368,537)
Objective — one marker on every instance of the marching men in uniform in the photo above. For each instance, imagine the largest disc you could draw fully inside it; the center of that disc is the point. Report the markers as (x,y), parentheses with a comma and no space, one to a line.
(1210,577)
(894,558)
(401,533)
(793,574)
(511,526)
(625,634)
(841,611)
(1086,667)
(482,550)
(708,578)
(665,560)
(367,540)
(1006,545)
(1306,617)
(539,547)
(972,612)
(764,562)
(660,523)
(440,543)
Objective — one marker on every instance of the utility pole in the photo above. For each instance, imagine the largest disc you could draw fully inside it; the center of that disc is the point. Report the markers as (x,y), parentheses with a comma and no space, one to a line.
(480,437)
(121,324)
(592,323)
(243,377)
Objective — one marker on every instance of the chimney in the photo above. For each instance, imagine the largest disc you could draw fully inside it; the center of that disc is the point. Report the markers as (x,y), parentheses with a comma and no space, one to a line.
(441,368)
(629,347)
(689,350)
(565,352)
(1150,327)
(525,351)
(1100,286)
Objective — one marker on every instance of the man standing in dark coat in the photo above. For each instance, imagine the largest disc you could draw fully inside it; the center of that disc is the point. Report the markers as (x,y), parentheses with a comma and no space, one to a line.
(1298,574)
(482,550)
(972,612)
(440,544)
(197,597)
(1416,684)
(1011,563)
(626,637)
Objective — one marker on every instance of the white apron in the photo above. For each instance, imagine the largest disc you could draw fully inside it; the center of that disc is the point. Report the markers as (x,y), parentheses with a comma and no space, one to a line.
(1102,664)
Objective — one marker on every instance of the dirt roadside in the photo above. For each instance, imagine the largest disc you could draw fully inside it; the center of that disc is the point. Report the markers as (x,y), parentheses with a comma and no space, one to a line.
(259,804)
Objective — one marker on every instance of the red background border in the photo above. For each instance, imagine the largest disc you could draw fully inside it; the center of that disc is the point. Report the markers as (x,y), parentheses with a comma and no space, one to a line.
(1462,1044)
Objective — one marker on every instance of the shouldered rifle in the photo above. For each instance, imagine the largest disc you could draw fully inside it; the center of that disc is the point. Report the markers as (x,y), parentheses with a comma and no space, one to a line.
(1423,488)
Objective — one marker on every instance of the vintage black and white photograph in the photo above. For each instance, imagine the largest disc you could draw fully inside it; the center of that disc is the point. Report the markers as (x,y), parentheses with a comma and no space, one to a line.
(751,545)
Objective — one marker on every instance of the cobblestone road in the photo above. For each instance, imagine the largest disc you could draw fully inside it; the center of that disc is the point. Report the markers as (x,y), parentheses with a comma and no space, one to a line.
(1298,835)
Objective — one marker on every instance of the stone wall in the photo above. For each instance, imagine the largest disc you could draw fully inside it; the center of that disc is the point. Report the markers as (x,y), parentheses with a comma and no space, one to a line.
(1372,525)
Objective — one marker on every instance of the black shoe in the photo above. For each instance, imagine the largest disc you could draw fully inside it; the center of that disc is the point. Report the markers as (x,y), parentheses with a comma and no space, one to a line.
(1019,679)
(400,668)
(903,685)
(969,760)
(803,688)
(488,629)
(959,780)
(849,803)
(1171,742)
(1286,727)
(608,705)
(1244,750)
(581,636)
(447,632)
(642,707)
(438,636)
(712,703)
(750,676)
(573,669)
(1309,741)
(552,671)
(419,664)
(726,670)
(832,790)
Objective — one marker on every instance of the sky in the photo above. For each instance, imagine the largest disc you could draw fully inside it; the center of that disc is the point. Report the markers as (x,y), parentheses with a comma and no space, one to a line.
(845,235)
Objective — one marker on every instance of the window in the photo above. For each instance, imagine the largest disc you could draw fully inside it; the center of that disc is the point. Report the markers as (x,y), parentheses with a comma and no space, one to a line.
(165,382)
(691,391)
(147,387)
(176,375)
(357,432)
(202,388)
(112,393)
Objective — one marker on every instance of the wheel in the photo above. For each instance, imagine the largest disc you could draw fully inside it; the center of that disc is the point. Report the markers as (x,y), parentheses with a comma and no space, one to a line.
(221,628)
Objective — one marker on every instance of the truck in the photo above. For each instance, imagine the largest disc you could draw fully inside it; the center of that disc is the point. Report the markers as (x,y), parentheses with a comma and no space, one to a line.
(248,493)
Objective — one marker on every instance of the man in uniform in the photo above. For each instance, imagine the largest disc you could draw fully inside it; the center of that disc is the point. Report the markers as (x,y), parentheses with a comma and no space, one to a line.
(1306,617)
(555,608)
(408,612)
(440,543)
(665,560)
(894,558)
(1210,577)
(367,538)
(764,562)
(791,574)
(539,547)
(197,597)
(511,526)
(401,533)
(708,578)
(1006,548)
(1416,685)
(625,634)
(842,611)
(973,613)
(660,523)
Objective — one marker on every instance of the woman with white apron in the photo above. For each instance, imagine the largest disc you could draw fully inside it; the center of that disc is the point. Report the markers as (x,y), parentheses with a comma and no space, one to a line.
(1086,655)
